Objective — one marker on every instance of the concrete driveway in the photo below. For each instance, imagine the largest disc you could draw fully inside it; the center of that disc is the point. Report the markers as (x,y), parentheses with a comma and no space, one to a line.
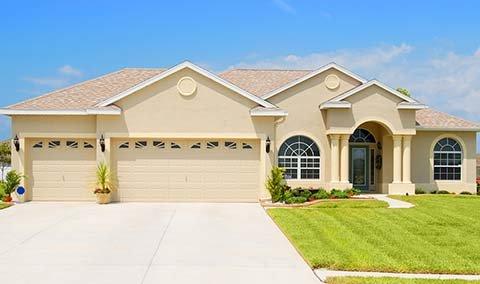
(145,243)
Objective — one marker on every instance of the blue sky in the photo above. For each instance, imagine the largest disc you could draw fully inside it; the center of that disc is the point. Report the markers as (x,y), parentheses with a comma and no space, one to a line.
(429,47)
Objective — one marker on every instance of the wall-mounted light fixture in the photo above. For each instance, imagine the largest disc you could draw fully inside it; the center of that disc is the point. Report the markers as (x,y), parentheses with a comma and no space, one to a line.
(102,143)
(16,143)
(267,146)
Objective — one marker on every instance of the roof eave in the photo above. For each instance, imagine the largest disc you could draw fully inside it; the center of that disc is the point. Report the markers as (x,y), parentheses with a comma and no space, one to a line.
(462,129)
(268,112)
(6,111)
(413,106)
(335,105)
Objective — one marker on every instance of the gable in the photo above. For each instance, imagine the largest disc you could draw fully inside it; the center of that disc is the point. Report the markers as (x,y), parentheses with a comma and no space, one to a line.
(180,67)
(160,107)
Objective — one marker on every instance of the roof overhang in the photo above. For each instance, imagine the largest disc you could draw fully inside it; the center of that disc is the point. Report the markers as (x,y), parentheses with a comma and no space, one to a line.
(462,129)
(335,105)
(268,112)
(195,68)
(414,106)
(61,112)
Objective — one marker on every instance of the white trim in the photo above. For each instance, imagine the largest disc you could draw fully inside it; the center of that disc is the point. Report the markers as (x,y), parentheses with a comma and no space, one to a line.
(328,105)
(460,129)
(60,112)
(415,106)
(313,74)
(376,83)
(177,68)
(268,112)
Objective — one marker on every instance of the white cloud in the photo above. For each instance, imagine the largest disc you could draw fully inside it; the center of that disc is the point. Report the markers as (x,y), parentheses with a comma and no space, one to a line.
(66,75)
(353,59)
(70,71)
(284,6)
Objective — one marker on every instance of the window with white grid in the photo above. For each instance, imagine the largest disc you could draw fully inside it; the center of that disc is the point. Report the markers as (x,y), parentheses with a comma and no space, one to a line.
(300,157)
(447,160)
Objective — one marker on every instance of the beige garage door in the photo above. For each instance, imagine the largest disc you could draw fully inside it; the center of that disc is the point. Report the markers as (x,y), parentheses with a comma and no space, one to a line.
(62,169)
(187,170)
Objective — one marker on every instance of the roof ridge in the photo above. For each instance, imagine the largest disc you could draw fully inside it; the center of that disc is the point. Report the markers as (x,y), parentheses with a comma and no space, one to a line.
(66,88)
(145,68)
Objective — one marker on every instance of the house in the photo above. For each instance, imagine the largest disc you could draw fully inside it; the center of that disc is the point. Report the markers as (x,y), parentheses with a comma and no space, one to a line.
(186,134)
(478,168)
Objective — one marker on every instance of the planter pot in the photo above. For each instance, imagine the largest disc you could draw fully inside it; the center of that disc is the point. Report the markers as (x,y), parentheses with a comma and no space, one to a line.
(7,199)
(103,198)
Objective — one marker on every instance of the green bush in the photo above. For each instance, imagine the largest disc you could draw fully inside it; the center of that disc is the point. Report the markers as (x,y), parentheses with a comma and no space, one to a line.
(276,184)
(306,193)
(288,194)
(443,192)
(419,190)
(295,199)
(338,194)
(466,193)
(11,182)
(353,191)
(321,194)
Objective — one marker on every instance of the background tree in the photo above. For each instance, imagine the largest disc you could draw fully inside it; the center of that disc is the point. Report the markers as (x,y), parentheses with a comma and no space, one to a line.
(5,156)
(404,91)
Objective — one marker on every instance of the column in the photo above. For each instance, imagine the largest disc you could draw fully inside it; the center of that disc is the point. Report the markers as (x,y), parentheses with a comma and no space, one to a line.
(334,157)
(344,158)
(406,158)
(397,159)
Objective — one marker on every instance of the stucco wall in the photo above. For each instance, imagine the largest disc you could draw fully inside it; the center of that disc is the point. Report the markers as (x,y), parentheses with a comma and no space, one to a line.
(53,124)
(304,117)
(422,161)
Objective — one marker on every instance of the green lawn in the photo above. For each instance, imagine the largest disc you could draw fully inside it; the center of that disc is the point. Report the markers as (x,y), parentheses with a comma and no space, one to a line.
(360,280)
(440,235)
(4,205)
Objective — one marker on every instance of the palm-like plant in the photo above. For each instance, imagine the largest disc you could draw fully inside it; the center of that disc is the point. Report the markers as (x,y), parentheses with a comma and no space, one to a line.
(11,183)
(103,179)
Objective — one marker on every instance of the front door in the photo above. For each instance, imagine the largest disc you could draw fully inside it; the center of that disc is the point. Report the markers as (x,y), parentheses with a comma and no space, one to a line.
(359,170)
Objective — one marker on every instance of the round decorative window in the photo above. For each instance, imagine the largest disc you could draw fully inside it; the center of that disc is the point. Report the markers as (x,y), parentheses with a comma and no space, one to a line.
(332,81)
(186,86)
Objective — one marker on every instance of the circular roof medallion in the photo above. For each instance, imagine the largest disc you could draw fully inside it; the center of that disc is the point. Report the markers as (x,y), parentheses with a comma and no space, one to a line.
(186,86)
(332,81)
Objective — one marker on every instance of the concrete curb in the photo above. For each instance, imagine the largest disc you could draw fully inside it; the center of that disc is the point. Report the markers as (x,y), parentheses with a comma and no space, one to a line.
(323,274)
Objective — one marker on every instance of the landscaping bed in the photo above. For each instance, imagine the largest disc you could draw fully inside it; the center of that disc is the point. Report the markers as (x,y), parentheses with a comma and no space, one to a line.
(439,235)
(4,205)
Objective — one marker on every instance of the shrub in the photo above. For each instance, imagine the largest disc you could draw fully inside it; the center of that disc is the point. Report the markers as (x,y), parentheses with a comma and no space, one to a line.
(443,192)
(419,190)
(295,199)
(433,192)
(11,182)
(287,194)
(353,191)
(276,184)
(306,193)
(338,194)
(321,194)
(466,193)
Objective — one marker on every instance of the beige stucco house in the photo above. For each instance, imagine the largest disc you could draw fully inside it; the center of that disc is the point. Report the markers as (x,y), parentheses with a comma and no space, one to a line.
(186,134)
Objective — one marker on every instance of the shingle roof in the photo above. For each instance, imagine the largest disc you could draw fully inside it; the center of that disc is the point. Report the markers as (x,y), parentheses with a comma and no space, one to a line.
(89,93)
(256,81)
(432,118)
(260,82)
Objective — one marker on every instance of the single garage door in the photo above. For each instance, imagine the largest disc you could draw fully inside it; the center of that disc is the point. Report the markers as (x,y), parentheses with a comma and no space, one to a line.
(187,170)
(62,169)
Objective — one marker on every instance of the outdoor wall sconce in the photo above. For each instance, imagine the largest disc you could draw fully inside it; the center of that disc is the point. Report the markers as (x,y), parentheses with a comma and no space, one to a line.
(102,143)
(267,147)
(16,143)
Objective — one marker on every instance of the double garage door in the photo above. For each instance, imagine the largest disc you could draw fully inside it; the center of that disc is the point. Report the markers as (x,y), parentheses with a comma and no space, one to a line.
(149,169)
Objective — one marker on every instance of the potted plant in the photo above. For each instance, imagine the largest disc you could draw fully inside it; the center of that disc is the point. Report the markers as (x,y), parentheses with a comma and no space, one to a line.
(10,184)
(102,191)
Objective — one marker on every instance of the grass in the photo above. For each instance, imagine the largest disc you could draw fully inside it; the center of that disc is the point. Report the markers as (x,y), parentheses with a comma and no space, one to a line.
(4,205)
(439,235)
(360,280)
(342,203)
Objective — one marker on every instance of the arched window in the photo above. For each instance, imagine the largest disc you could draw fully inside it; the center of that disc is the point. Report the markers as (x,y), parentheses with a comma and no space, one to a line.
(447,160)
(362,136)
(300,157)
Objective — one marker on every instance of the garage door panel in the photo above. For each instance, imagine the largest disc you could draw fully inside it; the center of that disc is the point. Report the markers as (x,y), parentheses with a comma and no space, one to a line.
(218,174)
(61,173)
